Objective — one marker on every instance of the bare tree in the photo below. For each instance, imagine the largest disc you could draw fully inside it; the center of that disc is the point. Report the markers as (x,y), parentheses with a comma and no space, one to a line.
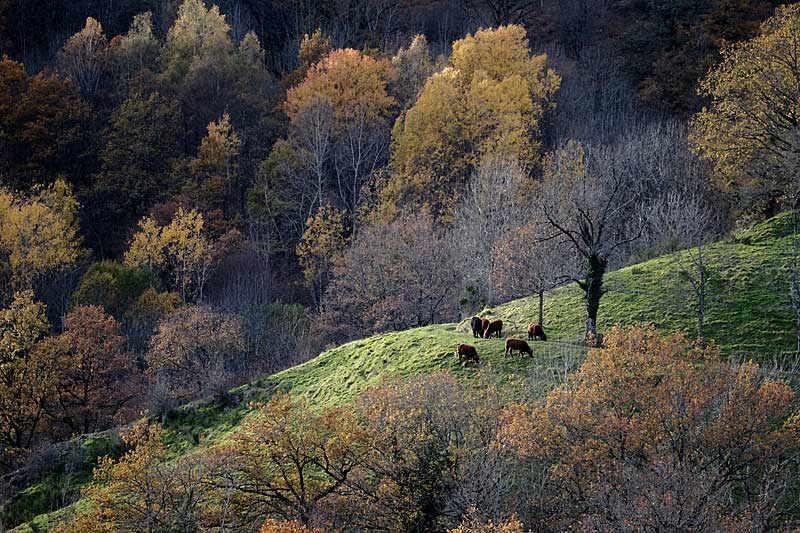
(586,197)
(504,12)
(361,149)
(394,276)
(594,104)
(83,57)
(491,206)
(686,222)
(526,262)
(314,130)
(577,22)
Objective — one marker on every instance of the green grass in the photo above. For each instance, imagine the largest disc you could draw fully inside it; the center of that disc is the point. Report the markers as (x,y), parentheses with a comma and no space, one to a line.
(61,482)
(337,376)
(748,311)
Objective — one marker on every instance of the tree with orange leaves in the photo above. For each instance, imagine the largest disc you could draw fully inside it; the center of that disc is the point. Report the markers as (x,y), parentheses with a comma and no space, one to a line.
(97,379)
(286,461)
(340,117)
(44,128)
(660,433)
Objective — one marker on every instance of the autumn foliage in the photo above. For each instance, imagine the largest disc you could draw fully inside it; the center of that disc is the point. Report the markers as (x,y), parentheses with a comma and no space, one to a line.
(140,492)
(195,195)
(489,102)
(180,251)
(355,85)
(97,377)
(26,378)
(659,430)
(650,430)
(283,526)
(38,235)
(749,131)
(191,350)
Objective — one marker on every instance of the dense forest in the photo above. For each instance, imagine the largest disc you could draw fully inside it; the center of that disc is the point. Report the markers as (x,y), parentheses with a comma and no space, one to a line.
(196,194)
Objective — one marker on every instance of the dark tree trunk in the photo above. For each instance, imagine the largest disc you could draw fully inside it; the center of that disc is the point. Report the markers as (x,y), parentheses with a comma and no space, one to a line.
(592,286)
(701,297)
(541,306)
(794,287)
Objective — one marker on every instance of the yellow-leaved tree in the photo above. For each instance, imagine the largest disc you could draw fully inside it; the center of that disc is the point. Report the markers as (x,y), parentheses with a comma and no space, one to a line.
(141,492)
(39,237)
(488,102)
(214,186)
(26,378)
(178,250)
(323,241)
(751,131)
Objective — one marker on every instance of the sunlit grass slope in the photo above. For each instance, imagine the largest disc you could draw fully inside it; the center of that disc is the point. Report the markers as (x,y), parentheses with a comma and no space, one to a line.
(748,310)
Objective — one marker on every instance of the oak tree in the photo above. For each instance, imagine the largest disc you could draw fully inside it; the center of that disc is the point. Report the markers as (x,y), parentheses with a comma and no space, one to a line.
(193,350)
(750,130)
(26,377)
(97,379)
(489,102)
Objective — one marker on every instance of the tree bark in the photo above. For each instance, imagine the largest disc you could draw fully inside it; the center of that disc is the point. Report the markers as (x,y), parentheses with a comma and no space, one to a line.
(701,307)
(592,286)
(541,306)
(701,295)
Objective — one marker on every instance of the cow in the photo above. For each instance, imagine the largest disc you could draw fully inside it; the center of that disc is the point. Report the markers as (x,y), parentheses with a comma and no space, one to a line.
(492,328)
(484,324)
(536,331)
(477,326)
(518,345)
(465,352)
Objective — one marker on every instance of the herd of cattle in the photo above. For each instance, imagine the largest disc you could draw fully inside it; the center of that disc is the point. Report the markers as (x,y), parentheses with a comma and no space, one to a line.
(484,328)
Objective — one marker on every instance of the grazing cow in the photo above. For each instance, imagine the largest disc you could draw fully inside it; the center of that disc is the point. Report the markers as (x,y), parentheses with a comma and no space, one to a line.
(536,331)
(466,352)
(518,345)
(477,326)
(492,328)
(484,324)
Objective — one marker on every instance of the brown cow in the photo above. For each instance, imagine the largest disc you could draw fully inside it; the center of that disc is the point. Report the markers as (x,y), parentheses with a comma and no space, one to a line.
(492,328)
(536,331)
(518,345)
(484,324)
(477,326)
(466,352)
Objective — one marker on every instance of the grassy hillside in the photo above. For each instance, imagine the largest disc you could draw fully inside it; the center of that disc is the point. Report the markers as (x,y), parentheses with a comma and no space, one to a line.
(748,311)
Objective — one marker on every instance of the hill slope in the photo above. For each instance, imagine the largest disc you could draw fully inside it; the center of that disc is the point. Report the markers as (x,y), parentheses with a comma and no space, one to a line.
(748,311)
